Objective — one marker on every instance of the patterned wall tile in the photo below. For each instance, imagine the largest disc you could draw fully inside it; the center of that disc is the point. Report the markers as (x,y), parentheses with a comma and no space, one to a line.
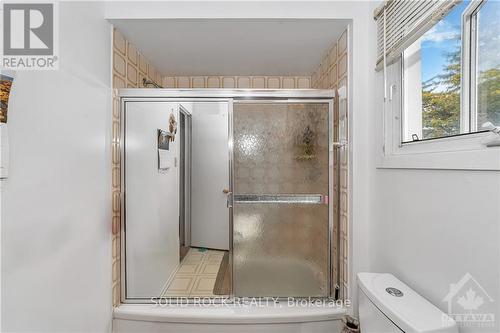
(119,64)
(244,82)
(333,76)
(288,83)
(115,131)
(228,82)
(273,82)
(132,54)
(143,64)
(342,65)
(333,55)
(114,230)
(323,67)
(115,178)
(213,82)
(198,82)
(183,82)
(342,43)
(258,82)
(168,82)
(158,77)
(115,151)
(118,82)
(325,81)
(151,72)
(132,74)
(303,82)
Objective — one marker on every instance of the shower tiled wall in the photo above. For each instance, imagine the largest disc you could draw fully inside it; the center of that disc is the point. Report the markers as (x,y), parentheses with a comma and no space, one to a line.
(241,82)
(129,68)
(332,73)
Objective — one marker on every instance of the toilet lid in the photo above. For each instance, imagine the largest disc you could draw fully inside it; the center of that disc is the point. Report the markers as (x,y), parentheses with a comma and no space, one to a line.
(403,306)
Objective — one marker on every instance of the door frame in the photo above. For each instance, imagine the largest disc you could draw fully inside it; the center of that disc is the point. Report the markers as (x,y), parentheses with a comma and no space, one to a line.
(230,96)
(230,148)
(186,191)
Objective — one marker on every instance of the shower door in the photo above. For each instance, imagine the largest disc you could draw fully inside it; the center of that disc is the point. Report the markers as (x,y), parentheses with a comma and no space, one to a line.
(281,205)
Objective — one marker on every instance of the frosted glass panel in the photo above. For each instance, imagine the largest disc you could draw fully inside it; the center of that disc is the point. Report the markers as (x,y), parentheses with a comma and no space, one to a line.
(280,250)
(280,240)
(152,200)
(280,148)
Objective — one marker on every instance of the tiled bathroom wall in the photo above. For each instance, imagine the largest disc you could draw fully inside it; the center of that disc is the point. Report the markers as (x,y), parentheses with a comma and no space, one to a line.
(130,66)
(332,73)
(241,82)
(333,67)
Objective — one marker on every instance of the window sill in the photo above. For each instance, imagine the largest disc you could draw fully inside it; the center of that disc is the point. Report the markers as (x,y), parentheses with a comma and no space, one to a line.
(454,153)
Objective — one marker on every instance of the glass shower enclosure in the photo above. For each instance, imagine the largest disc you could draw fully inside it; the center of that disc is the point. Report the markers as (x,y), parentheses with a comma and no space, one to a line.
(279,199)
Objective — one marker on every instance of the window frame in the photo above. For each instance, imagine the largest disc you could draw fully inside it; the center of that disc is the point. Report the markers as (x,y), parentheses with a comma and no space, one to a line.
(469,65)
(464,151)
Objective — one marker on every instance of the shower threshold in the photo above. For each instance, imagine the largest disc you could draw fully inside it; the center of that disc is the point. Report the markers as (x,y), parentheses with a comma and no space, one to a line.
(217,314)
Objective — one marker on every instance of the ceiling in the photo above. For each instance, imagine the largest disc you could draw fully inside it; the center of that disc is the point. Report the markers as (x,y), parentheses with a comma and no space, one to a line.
(233,46)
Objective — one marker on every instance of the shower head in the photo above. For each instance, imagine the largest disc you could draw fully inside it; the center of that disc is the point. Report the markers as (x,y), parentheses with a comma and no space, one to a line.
(146,82)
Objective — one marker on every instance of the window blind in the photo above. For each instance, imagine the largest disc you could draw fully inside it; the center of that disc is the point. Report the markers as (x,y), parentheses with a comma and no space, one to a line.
(405,21)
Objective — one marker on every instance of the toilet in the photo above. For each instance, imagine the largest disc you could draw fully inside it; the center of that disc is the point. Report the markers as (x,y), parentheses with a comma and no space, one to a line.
(387,305)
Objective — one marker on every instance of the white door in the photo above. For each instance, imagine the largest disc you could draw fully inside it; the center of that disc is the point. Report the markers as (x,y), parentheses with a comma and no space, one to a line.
(210,175)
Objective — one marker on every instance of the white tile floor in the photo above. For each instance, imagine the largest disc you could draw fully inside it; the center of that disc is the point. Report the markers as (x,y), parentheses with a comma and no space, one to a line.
(196,274)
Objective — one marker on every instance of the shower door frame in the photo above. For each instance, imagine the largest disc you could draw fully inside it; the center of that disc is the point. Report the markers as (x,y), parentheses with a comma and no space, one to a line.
(230,96)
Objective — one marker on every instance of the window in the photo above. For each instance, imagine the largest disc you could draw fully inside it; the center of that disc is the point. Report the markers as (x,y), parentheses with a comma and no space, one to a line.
(487,64)
(451,74)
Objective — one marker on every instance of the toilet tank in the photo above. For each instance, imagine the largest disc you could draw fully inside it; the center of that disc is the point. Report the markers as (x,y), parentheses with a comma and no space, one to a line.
(387,305)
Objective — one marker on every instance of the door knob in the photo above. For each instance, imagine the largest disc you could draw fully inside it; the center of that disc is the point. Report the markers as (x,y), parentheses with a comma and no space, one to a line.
(225,191)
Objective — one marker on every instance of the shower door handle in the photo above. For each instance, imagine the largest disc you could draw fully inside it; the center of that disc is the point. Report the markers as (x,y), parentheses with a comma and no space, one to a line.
(229,200)
(315,199)
(229,197)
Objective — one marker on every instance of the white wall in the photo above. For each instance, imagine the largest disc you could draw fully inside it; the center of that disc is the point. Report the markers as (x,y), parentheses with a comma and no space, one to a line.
(56,241)
(430,227)
(152,199)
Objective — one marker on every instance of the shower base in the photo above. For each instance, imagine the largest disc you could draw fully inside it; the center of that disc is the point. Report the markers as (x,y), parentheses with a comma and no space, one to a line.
(223,319)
